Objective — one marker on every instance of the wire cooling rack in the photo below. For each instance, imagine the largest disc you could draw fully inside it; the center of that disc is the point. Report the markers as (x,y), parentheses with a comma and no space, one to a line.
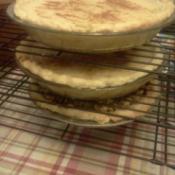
(155,133)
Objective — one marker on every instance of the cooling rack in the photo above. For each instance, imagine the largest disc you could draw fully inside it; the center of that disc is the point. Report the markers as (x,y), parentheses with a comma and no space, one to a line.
(155,133)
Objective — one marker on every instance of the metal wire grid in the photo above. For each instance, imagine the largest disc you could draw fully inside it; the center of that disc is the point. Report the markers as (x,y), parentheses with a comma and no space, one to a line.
(156,130)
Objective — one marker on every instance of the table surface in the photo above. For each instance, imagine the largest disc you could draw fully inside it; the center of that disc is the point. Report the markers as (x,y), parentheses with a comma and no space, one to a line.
(24,153)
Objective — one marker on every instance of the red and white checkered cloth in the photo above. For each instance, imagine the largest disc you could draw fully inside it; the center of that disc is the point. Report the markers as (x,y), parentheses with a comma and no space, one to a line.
(22,153)
(80,152)
(36,147)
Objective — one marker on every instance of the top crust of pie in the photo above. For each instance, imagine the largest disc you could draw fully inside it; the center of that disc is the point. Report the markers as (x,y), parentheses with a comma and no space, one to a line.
(88,71)
(94,16)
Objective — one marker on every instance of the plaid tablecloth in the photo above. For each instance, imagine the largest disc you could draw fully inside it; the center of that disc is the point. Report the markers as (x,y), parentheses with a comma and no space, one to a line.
(38,148)
(23,153)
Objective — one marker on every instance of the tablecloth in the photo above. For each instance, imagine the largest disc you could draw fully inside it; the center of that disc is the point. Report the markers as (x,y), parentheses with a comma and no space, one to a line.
(38,146)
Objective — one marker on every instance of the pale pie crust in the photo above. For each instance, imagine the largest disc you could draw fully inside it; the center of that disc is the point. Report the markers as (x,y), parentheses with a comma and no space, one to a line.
(94,16)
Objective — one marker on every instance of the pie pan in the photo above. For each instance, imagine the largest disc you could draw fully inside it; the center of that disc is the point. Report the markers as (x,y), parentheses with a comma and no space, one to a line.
(92,94)
(88,42)
(87,93)
(95,114)
(96,118)
(78,91)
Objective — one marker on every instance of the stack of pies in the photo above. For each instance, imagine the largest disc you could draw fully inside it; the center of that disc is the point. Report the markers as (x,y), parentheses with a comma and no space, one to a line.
(108,83)
(93,89)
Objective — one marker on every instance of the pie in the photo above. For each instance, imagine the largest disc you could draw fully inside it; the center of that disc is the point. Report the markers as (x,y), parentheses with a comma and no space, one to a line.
(89,76)
(94,16)
(119,110)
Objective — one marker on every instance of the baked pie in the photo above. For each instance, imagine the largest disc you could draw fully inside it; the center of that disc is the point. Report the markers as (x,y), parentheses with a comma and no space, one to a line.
(114,112)
(83,76)
(94,16)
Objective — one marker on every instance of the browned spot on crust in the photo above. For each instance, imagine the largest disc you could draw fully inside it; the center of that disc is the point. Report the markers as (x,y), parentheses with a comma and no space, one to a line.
(124,4)
(66,15)
(69,10)
(107,15)
(54,5)
(76,2)
(58,8)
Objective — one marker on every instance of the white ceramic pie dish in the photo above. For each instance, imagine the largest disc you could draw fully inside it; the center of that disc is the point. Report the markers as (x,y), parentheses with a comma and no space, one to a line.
(88,42)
